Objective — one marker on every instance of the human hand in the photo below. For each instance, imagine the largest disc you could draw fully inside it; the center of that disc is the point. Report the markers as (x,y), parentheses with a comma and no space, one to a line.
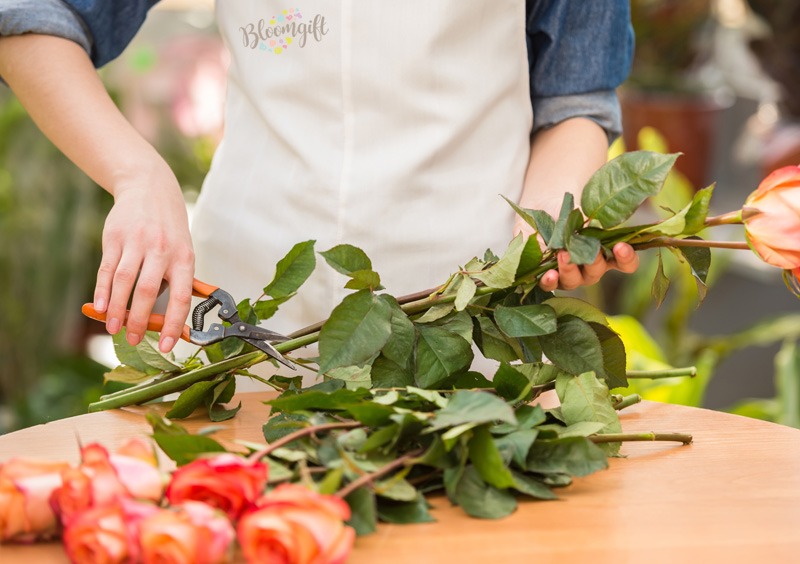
(569,276)
(146,240)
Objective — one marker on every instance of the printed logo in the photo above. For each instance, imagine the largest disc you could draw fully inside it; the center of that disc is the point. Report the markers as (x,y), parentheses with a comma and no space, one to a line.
(280,32)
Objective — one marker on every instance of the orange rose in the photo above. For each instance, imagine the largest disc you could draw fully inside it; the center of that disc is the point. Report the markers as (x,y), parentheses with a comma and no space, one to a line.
(102,479)
(293,524)
(107,533)
(226,481)
(771,216)
(25,490)
(191,533)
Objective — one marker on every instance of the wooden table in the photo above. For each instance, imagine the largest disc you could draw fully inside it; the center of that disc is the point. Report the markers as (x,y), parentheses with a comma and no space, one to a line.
(732,496)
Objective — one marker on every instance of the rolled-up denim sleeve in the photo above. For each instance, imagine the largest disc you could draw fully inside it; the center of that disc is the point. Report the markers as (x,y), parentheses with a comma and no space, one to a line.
(579,52)
(102,27)
(49,17)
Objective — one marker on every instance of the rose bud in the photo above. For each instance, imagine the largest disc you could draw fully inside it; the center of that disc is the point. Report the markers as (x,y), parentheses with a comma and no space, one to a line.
(25,490)
(191,533)
(226,481)
(107,533)
(295,524)
(771,216)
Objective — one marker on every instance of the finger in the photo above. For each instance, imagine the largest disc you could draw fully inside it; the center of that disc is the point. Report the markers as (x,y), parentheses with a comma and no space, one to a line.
(549,281)
(594,272)
(625,258)
(105,277)
(144,297)
(180,300)
(570,275)
(123,281)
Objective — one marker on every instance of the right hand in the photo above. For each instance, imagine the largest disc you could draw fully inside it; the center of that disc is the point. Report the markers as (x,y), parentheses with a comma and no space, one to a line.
(146,235)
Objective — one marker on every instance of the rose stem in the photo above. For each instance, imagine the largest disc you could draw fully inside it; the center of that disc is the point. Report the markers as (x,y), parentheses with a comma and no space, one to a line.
(673,242)
(690,371)
(291,437)
(627,401)
(369,478)
(628,437)
(730,218)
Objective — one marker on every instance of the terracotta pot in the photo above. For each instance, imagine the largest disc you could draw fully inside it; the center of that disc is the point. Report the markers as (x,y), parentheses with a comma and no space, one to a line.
(689,123)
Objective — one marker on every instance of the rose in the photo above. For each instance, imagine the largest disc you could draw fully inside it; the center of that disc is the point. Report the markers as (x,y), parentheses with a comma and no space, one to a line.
(107,533)
(191,533)
(771,216)
(294,524)
(225,481)
(26,487)
(102,479)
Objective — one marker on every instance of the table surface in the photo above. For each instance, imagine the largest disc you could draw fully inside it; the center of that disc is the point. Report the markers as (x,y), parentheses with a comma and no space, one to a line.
(734,494)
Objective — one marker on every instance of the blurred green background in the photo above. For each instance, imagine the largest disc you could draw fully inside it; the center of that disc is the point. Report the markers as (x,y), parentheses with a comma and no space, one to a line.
(715,79)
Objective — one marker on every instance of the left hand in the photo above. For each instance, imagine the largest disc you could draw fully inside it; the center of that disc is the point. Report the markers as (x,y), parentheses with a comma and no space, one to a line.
(570,276)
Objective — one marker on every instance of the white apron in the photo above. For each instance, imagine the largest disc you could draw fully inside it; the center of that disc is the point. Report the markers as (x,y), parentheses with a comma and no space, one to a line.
(390,125)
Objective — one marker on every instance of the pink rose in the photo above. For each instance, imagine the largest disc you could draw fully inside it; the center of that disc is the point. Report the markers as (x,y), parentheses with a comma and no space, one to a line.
(25,490)
(293,524)
(225,481)
(191,533)
(107,533)
(772,218)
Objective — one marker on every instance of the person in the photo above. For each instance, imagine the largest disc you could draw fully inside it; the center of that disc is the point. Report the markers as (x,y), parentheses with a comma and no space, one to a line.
(393,126)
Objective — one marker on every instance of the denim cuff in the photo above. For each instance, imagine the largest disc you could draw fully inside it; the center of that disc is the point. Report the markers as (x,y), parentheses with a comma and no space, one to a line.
(49,17)
(601,107)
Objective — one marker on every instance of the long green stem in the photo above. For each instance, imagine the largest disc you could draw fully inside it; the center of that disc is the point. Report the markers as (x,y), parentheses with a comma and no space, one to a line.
(291,437)
(690,371)
(674,242)
(730,218)
(632,437)
(369,478)
(627,401)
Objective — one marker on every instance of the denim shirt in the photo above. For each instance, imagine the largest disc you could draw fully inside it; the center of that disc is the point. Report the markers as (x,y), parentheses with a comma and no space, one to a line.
(578,51)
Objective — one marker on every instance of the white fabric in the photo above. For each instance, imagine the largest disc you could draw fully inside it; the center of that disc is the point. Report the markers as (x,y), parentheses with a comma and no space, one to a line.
(394,128)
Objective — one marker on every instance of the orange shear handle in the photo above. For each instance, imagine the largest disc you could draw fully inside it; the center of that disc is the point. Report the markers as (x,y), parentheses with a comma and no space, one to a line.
(154,323)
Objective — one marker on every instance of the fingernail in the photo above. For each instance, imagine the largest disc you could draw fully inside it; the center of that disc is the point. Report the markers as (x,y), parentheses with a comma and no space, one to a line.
(113,325)
(166,344)
(624,252)
(100,304)
(133,338)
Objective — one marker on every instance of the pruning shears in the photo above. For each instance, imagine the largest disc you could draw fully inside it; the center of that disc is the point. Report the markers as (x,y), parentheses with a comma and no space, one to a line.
(214,296)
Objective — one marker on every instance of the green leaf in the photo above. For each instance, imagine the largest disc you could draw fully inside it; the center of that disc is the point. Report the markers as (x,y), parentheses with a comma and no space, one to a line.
(698,212)
(440,354)
(539,373)
(473,407)
(371,413)
(400,345)
(502,274)
(579,308)
(509,382)
(486,459)
(574,347)
(525,214)
(582,249)
(569,219)
(364,280)
(531,257)
(191,398)
(357,330)
(380,437)
(673,225)
(466,291)
(660,285)
(224,391)
(364,517)
(479,499)
(403,513)
(585,398)
(264,309)
(615,191)
(126,375)
(516,445)
(218,413)
(395,489)
(545,225)
(282,424)
(388,374)
(353,376)
(575,456)
(435,313)
(614,357)
(526,321)
(492,343)
(532,487)
(332,481)
(183,448)
(470,380)
(347,259)
(459,323)
(312,400)
(699,259)
(128,355)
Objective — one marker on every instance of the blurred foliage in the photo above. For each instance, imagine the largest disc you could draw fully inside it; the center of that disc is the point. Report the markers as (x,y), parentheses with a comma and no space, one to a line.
(672,40)
(669,340)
